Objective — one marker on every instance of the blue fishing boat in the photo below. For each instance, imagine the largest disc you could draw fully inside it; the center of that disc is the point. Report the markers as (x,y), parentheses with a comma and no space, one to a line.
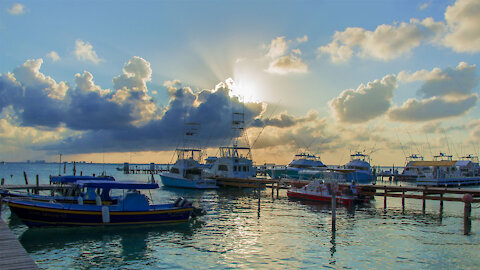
(300,163)
(133,208)
(359,167)
(64,190)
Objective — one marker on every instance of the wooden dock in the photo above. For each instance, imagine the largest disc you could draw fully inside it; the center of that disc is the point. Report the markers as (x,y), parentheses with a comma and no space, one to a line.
(12,254)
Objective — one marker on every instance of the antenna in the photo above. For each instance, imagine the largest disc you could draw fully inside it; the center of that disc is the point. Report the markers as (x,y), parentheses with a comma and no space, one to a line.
(446,139)
(429,147)
(401,145)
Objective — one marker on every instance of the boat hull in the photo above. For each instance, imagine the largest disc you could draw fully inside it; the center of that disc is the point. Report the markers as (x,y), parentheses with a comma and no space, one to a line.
(172,181)
(362,177)
(319,198)
(36,214)
(459,181)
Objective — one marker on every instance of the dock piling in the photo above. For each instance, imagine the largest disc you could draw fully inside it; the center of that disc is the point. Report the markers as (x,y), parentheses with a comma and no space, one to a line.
(38,184)
(403,201)
(423,201)
(334,208)
(467,221)
(3,181)
(26,180)
(385,199)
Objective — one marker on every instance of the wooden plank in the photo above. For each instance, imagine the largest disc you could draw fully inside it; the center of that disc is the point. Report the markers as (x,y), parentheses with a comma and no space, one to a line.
(12,254)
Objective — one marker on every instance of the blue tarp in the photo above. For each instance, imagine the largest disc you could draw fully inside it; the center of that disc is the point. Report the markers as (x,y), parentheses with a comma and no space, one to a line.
(75,178)
(117,184)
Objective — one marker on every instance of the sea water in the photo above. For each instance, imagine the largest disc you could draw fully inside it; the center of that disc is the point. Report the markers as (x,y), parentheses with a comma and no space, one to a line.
(236,233)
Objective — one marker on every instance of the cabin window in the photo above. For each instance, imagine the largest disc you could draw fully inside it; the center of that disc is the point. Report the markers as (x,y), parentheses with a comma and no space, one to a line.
(223,168)
(234,168)
(244,168)
(174,170)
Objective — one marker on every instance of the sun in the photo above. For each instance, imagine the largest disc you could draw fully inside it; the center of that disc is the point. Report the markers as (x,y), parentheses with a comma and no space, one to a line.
(245,88)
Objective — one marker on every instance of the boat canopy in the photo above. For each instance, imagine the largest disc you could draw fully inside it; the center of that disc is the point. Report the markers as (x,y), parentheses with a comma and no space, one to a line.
(439,163)
(116,184)
(75,178)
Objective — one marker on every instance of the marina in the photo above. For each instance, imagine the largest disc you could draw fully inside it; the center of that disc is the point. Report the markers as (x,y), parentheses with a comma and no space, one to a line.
(407,209)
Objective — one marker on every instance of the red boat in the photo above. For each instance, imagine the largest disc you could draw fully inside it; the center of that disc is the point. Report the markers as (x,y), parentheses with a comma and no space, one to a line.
(317,190)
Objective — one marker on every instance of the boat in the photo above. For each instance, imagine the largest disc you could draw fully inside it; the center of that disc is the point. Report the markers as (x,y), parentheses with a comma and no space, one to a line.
(64,190)
(234,166)
(444,171)
(321,191)
(187,172)
(410,172)
(302,161)
(359,167)
(133,208)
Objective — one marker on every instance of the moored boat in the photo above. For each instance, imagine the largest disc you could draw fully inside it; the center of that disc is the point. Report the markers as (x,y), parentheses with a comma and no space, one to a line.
(444,171)
(361,170)
(300,162)
(133,208)
(318,190)
(187,172)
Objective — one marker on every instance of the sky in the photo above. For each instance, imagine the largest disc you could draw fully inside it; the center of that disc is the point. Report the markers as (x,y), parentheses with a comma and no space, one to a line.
(119,81)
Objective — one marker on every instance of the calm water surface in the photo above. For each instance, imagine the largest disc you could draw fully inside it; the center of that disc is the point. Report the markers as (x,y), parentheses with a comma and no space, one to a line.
(284,234)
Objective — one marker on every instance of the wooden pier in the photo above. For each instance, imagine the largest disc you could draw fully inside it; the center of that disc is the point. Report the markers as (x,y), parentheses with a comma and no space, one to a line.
(12,254)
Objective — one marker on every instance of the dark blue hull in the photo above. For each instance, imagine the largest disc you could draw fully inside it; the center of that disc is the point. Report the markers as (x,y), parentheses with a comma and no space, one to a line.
(40,215)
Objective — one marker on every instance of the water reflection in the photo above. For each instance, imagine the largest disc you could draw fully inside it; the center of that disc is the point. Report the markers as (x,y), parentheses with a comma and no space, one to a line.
(129,243)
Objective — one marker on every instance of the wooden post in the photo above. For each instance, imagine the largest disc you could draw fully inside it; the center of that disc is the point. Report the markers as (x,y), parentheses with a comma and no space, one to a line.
(385,199)
(38,184)
(259,187)
(273,189)
(334,207)
(26,180)
(3,181)
(423,201)
(278,187)
(403,200)
(441,202)
(467,221)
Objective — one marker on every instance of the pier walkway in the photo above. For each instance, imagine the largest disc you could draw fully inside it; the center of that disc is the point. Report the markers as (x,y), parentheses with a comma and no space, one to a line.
(12,254)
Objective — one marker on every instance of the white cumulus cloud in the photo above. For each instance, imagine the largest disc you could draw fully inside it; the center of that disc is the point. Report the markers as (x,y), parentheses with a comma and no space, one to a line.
(463,19)
(366,102)
(84,52)
(385,42)
(282,61)
(287,64)
(53,55)
(16,9)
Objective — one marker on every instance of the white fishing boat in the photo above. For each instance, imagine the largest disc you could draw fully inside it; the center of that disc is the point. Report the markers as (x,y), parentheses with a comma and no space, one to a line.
(444,171)
(234,162)
(187,172)
(301,162)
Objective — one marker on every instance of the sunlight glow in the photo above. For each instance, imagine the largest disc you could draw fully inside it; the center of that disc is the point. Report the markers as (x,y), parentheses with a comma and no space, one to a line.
(245,88)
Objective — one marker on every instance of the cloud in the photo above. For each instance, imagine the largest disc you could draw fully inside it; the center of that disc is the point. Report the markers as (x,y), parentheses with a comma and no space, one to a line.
(282,63)
(424,5)
(366,102)
(278,47)
(460,81)
(386,42)
(414,110)
(287,64)
(119,120)
(444,93)
(285,120)
(53,56)
(16,9)
(84,52)
(302,39)
(463,20)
